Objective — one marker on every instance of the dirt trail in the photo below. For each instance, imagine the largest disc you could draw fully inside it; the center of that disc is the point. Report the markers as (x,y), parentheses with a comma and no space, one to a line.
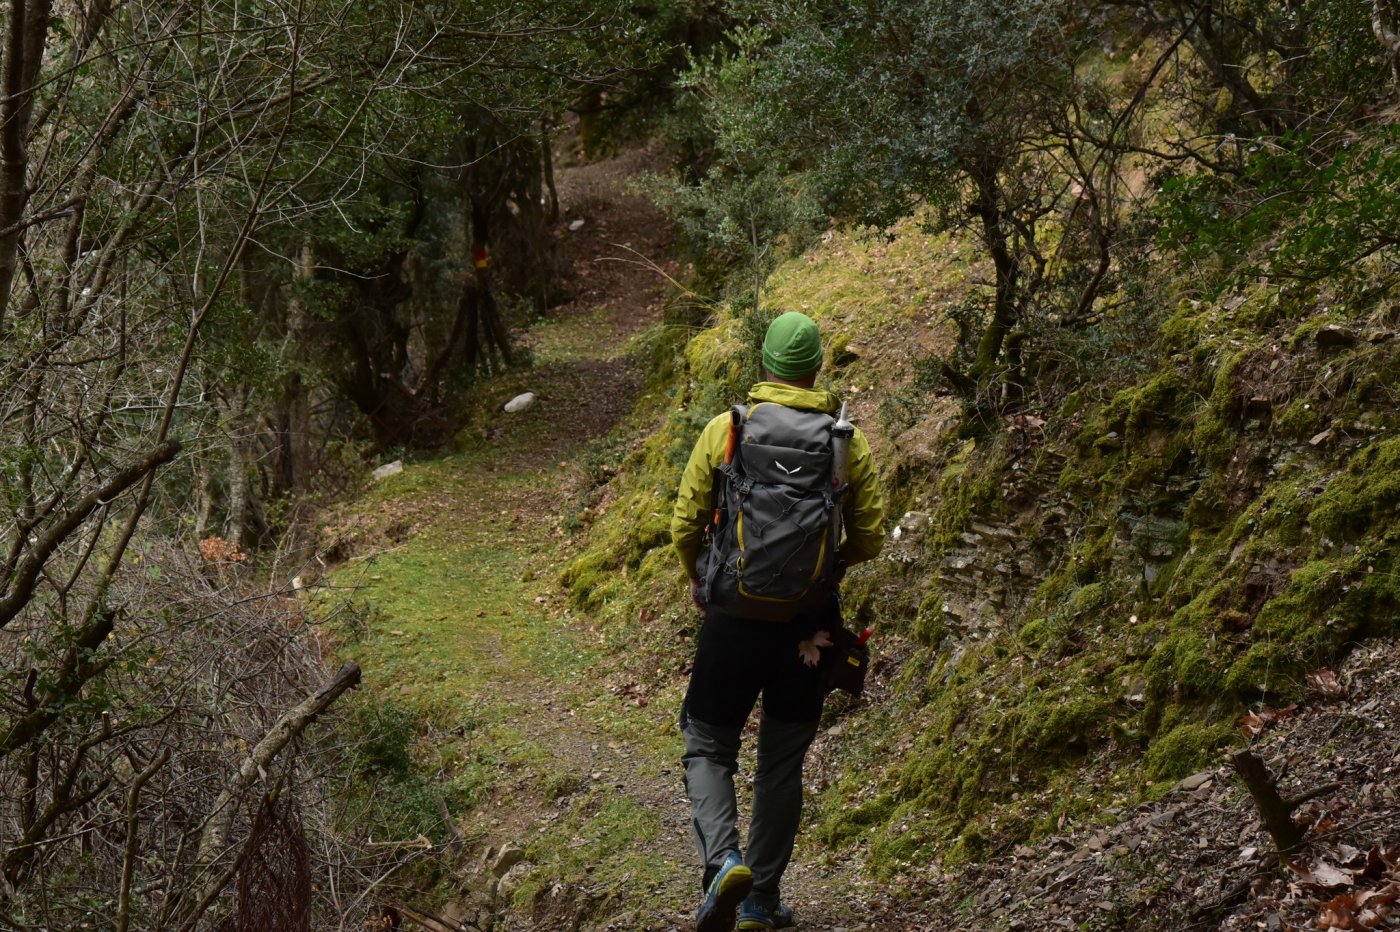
(569,774)
(614,247)
(616,260)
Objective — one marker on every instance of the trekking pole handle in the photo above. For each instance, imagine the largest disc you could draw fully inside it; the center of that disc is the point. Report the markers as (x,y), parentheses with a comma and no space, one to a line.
(735,423)
(841,433)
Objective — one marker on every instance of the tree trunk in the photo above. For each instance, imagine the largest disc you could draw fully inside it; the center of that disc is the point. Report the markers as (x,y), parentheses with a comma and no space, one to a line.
(1275,811)
(469,311)
(547,152)
(240,493)
(1005,311)
(299,448)
(479,217)
(204,498)
(1385,23)
(27,27)
(245,524)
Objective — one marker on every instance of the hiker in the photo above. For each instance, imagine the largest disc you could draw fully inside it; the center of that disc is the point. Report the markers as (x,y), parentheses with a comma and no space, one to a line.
(764,642)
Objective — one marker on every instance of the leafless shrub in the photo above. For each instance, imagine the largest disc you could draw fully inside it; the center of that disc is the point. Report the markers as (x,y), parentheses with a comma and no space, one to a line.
(274,883)
(157,158)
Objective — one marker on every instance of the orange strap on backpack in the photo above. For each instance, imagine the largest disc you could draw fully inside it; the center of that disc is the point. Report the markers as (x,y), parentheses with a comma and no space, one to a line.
(728,452)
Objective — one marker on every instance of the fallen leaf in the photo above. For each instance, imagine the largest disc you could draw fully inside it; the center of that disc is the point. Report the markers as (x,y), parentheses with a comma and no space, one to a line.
(1256,723)
(1321,874)
(1325,684)
(1251,724)
(1337,914)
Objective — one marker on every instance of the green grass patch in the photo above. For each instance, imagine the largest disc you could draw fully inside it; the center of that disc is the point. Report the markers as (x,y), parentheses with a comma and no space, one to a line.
(601,842)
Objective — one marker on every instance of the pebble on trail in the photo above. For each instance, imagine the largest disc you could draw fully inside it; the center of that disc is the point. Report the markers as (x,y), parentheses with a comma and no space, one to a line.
(388,469)
(520,403)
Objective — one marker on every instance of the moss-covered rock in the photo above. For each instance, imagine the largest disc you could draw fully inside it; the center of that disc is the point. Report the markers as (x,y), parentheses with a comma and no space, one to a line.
(1364,497)
(1186,749)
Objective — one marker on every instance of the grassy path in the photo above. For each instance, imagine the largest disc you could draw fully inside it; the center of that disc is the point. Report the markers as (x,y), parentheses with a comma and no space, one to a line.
(458,557)
(468,632)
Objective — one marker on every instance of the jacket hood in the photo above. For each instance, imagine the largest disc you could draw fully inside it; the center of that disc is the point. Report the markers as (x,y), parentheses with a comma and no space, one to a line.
(807,399)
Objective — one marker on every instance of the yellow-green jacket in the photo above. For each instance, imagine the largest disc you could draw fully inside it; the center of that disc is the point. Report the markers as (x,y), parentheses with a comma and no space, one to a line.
(863,511)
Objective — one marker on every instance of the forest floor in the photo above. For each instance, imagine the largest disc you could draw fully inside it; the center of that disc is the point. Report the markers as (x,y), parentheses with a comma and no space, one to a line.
(568,774)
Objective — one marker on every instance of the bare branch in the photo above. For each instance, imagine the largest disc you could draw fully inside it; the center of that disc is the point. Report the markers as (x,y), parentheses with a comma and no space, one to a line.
(133,824)
(20,586)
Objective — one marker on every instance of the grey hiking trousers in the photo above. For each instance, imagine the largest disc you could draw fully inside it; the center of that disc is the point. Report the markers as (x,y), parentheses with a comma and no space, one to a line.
(711,760)
(736,661)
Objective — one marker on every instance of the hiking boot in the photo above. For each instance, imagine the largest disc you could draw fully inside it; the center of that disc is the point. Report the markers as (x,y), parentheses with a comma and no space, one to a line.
(753,916)
(729,888)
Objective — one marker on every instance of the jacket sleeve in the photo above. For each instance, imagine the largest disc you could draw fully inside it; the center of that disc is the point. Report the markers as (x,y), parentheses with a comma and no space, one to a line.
(693,501)
(863,514)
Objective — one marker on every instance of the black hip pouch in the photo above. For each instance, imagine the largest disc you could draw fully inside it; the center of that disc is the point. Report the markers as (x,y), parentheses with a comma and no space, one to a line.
(844,663)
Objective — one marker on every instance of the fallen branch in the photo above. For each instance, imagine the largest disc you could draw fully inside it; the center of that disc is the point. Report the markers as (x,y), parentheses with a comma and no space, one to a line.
(424,920)
(1275,811)
(288,727)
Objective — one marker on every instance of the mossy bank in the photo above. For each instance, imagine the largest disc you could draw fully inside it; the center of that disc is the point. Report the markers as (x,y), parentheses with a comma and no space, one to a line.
(1080,593)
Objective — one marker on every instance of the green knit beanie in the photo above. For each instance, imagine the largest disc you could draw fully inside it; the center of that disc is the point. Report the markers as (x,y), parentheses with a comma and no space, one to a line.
(792,349)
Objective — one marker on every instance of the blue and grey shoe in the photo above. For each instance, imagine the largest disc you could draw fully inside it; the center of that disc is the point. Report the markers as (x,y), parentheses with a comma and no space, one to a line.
(752,916)
(729,888)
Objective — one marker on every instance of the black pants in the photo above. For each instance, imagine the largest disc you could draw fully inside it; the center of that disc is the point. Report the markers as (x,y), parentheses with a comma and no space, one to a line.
(737,659)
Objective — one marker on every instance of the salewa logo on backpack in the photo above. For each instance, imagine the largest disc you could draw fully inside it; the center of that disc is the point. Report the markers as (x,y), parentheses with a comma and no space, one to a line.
(772,551)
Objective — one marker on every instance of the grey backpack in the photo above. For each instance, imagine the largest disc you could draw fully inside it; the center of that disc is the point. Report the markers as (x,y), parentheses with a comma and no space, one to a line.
(772,540)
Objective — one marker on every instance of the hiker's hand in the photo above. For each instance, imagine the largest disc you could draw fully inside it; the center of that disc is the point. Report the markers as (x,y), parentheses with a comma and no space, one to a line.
(695,595)
(810,649)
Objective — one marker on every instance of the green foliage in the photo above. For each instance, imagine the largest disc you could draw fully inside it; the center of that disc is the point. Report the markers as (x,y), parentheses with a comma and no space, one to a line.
(392,792)
(874,101)
(869,113)
(386,734)
(738,226)
(1329,207)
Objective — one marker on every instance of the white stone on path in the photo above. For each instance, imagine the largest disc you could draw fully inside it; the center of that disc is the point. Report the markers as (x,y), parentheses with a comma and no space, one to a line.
(388,469)
(520,403)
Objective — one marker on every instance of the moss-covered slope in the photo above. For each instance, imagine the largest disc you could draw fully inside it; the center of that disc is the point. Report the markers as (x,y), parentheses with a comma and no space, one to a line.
(1082,592)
